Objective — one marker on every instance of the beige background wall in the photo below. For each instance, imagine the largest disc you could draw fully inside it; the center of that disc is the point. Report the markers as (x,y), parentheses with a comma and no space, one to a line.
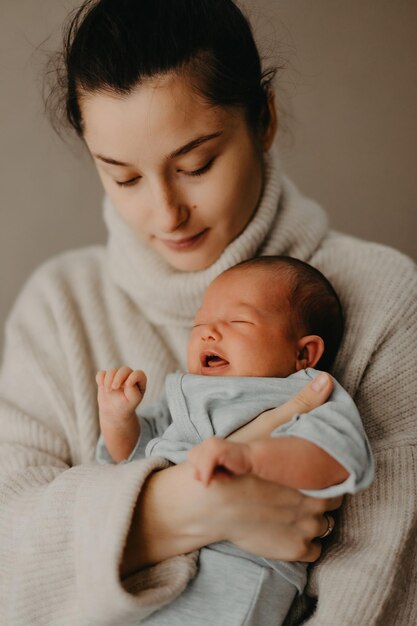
(349,94)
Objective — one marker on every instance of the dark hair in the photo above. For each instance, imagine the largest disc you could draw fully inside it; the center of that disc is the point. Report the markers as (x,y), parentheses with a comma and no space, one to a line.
(113,45)
(313,299)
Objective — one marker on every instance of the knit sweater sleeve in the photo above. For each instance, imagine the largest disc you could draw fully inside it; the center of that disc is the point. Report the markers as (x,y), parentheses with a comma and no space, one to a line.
(61,541)
(369,576)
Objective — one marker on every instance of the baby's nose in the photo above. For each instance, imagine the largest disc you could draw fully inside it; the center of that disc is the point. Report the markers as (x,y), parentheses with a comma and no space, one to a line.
(210,332)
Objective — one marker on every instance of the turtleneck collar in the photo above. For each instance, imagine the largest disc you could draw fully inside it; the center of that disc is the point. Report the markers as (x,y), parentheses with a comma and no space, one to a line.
(284,223)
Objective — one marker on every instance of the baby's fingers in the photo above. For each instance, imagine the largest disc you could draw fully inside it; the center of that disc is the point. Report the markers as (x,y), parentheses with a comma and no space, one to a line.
(108,378)
(204,469)
(121,376)
(100,378)
(205,458)
(137,378)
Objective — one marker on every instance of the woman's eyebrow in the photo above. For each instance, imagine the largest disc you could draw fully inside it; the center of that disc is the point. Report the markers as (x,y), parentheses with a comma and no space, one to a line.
(111,161)
(194,143)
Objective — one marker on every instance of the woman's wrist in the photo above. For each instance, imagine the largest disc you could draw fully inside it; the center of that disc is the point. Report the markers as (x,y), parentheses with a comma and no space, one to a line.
(175,514)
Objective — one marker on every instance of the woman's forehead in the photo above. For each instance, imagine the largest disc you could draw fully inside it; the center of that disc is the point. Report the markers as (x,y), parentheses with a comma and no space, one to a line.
(159,115)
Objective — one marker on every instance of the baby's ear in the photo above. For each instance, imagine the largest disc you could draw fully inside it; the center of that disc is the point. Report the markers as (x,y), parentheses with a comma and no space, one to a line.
(309,351)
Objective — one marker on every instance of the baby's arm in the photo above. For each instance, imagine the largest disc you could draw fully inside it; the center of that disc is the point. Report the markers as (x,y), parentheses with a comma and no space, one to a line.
(119,393)
(290,461)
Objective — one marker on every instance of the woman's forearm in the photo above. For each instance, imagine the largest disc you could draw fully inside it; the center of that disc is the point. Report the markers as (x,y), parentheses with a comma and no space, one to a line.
(295,462)
(176,514)
(173,516)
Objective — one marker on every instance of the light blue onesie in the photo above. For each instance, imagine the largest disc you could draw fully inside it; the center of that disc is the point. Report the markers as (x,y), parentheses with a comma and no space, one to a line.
(233,587)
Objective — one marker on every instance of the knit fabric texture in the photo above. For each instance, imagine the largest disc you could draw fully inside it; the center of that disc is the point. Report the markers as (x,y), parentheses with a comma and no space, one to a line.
(101,307)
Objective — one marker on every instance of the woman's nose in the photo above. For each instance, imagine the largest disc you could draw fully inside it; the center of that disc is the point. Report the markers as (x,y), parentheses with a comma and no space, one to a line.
(170,209)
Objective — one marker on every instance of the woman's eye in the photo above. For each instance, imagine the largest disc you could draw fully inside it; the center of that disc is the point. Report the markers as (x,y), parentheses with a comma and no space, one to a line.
(128,183)
(202,170)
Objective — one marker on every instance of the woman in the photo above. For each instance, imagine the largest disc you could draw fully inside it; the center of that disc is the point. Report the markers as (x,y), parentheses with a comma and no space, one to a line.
(172,105)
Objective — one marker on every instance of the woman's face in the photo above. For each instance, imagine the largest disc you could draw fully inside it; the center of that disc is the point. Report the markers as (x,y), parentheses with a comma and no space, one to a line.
(186,177)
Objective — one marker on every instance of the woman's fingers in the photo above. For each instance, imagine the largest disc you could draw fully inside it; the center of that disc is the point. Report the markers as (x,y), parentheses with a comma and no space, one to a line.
(312,552)
(312,395)
(273,521)
(317,526)
(321,505)
(328,523)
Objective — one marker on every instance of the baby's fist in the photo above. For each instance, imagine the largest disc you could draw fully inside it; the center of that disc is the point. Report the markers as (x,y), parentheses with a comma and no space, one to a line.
(120,391)
(216,454)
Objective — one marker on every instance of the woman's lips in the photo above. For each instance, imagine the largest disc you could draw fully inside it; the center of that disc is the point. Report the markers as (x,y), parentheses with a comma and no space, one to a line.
(187,243)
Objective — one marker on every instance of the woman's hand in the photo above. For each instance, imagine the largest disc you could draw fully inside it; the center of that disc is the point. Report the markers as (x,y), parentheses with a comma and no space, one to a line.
(271,520)
(310,397)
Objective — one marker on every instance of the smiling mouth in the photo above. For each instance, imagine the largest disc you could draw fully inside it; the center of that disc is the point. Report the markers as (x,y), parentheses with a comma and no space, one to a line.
(186,243)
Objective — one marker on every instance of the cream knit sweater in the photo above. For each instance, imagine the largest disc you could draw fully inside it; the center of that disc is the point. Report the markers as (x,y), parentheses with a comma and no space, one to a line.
(64,519)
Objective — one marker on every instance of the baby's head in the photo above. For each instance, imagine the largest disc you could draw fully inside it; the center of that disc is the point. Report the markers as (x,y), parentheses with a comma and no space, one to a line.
(269,316)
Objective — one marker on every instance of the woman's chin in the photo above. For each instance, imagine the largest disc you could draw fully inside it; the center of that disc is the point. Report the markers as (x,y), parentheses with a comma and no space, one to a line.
(189,261)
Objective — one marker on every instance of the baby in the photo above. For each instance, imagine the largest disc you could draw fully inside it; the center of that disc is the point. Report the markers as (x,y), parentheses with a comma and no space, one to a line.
(263,326)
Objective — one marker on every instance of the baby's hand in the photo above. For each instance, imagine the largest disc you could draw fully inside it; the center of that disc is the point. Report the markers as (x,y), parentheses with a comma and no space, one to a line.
(119,392)
(219,453)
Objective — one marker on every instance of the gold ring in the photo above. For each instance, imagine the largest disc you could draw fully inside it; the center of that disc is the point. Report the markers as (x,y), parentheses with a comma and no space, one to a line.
(330,526)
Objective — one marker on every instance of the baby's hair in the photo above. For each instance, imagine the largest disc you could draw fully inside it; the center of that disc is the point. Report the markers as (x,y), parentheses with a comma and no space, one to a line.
(112,46)
(313,299)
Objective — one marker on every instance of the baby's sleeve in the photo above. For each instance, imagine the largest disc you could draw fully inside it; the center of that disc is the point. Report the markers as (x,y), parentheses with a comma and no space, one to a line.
(336,427)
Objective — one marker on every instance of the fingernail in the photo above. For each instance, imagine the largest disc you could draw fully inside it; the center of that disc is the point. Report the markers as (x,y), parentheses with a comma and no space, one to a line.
(319,383)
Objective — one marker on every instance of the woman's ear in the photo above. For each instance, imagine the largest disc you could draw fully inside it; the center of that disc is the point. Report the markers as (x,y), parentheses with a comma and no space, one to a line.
(309,351)
(271,130)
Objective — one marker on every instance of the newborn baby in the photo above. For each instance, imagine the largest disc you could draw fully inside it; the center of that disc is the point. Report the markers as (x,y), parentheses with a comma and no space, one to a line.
(262,327)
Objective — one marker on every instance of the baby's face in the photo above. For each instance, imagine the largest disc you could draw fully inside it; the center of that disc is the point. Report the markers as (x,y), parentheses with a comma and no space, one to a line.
(237,332)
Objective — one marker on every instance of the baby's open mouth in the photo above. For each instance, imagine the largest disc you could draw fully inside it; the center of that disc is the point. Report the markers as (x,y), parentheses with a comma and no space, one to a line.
(212,360)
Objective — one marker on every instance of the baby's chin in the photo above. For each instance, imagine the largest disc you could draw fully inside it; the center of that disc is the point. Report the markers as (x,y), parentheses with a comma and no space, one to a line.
(231,370)
(219,370)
